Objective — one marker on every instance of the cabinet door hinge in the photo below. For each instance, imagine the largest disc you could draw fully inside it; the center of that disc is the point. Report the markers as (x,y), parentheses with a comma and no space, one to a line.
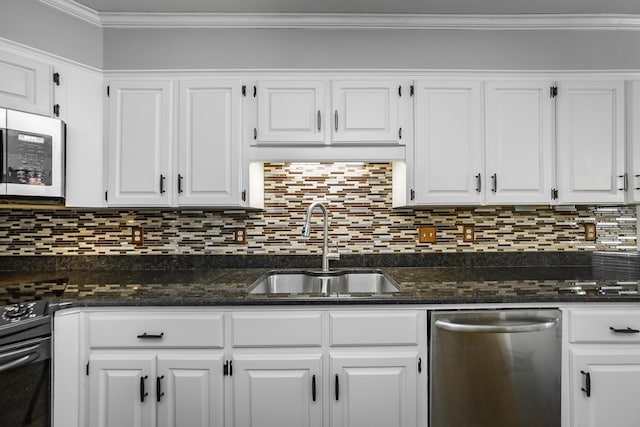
(108,91)
(553,91)
(87,371)
(56,78)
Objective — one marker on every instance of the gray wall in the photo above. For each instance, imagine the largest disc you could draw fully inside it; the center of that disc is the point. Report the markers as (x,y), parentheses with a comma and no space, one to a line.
(34,24)
(371,49)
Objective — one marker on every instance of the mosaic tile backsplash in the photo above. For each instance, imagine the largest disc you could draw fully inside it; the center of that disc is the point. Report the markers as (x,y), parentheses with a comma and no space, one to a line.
(361,221)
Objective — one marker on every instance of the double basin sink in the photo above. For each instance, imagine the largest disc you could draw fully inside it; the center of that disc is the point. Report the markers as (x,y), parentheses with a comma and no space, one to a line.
(318,283)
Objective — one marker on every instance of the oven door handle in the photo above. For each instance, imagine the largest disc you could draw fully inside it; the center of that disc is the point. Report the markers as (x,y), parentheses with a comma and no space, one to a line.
(25,356)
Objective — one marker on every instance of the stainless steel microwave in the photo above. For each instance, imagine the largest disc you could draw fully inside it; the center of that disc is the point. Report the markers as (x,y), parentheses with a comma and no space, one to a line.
(32,155)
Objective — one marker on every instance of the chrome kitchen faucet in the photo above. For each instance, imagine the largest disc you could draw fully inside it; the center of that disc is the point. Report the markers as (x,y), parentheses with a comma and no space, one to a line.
(306,229)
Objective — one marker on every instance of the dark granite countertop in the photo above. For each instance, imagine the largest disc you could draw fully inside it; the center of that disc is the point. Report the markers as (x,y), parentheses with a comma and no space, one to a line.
(228,286)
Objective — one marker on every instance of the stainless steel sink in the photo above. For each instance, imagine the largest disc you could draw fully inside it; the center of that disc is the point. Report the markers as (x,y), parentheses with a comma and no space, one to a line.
(332,283)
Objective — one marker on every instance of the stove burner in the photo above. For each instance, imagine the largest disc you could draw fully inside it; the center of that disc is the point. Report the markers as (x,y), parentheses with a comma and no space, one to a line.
(17,310)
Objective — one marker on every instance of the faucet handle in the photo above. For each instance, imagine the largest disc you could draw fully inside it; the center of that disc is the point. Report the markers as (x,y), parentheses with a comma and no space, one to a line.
(334,255)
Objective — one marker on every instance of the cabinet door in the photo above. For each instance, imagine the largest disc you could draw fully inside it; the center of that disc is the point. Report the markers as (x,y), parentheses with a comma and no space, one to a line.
(633,142)
(590,142)
(365,111)
(518,143)
(614,386)
(291,111)
(25,84)
(140,135)
(210,144)
(191,390)
(120,390)
(448,143)
(277,390)
(374,390)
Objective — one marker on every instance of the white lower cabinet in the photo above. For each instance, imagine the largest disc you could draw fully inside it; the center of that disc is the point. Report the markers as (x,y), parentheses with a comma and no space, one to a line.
(605,387)
(603,367)
(165,390)
(240,368)
(277,390)
(118,385)
(374,390)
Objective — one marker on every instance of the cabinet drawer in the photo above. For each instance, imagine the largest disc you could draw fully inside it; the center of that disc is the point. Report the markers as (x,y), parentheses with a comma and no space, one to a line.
(597,325)
(156,330)
(277,329)
(374,328)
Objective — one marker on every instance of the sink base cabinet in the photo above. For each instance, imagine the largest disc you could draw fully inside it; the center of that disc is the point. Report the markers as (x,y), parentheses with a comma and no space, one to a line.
(374,390)
(277,390)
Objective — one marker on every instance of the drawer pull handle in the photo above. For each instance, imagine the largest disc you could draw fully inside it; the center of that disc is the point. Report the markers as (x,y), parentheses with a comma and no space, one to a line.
(587,383)
(627,330)
(146,336)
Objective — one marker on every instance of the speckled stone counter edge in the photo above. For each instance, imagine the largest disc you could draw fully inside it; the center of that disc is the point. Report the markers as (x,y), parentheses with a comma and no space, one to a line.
(199,262)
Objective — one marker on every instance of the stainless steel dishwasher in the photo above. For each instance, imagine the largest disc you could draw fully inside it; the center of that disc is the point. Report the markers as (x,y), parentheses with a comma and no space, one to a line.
(495,368)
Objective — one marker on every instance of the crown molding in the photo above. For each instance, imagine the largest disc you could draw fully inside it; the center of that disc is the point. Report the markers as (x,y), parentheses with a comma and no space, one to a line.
(349,20)
(75,9)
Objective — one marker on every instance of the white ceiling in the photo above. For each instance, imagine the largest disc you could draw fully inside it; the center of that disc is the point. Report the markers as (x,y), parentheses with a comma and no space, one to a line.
(368,6)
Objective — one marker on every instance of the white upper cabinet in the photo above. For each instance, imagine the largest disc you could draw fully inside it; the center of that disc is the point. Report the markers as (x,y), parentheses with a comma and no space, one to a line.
(198,165)
(518,142)
(590,142)
(365,111)
(25,84)
(291,112)
(140,126)
(327,112)
(448,143)
(633,142)
(210,143)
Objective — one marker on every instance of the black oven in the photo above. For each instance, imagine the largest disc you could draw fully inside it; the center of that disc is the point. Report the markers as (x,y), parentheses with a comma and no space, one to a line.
(25,365)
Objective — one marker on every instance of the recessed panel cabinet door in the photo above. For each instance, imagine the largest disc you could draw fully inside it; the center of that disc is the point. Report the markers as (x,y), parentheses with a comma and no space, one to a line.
(374,390)
(139,143)
(448,143)
(120,390)
(25,84)
(191,390)
(518,143)
(291,111)
(605,385)
(633,141)
(277,390)
(590,142)
(365,111)
(210,143)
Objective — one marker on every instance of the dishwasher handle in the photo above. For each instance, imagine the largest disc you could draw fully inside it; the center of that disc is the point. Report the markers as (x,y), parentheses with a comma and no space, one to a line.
(497,328)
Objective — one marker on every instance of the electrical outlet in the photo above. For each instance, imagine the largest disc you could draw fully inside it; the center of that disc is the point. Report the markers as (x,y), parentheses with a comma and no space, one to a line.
(427,234)
(137,236)
(240,236)
(468,233)
(590,232)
